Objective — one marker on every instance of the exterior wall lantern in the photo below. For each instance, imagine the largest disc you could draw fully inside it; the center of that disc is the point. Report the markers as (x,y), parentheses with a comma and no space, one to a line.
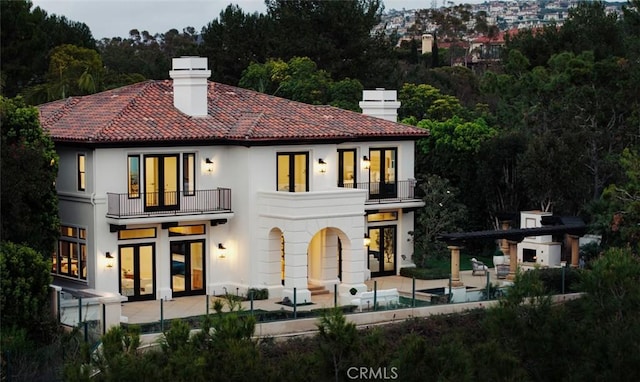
(323,165)
(366,163)
(367,240)
(208,165)
(222,251)
(109,258)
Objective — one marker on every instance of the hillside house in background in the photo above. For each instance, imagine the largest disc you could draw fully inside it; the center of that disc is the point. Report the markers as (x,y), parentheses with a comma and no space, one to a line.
(185,186)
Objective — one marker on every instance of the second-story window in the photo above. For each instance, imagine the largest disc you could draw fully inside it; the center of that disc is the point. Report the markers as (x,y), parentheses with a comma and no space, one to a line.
(81,173)
(133,172)
(189,174)
(293,174)
(347,176)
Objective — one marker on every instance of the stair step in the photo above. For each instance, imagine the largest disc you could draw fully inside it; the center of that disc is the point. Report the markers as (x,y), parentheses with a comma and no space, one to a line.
(316,290)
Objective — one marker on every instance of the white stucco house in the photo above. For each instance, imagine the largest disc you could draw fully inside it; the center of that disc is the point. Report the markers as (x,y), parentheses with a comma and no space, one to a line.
(186,186)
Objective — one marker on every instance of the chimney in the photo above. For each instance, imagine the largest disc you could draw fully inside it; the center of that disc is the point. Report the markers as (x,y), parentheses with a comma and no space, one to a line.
(190,87)
(380,103)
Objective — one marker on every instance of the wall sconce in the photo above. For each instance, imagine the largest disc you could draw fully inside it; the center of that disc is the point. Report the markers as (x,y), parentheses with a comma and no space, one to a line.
(367,240)
(323,165)
(366,163)
(109,259)
(208,165)
(222,251)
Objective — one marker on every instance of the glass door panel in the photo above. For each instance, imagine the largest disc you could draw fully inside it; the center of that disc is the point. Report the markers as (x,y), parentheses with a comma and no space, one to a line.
(300,172)
(197,266)
(187,267)
(146,268)
(178,267)
(151,181)
(389,240)
(170,167)
(137,271)
(374,251)
(127,274)
(283,173)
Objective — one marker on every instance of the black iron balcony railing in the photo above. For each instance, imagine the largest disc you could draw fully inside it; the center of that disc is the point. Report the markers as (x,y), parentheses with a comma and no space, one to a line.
(381,192)
(169,203)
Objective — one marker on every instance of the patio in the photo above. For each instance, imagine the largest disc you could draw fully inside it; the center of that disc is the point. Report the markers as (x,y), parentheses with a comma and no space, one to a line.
(150,311)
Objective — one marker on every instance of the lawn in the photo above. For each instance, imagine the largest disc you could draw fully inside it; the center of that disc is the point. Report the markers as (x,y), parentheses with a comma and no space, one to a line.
(441,268)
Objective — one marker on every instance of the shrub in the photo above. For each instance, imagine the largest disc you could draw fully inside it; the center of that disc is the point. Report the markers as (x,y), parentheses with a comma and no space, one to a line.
(25,280)
(258,293)
(424,273)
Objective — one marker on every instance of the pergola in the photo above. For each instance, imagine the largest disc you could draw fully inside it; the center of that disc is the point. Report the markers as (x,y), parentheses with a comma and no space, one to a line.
(572,227)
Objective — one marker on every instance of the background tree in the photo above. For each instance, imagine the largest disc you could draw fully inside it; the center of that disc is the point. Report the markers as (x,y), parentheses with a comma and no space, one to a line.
(336,35)
(616,215)
(443,212)
(27,36)
(235,40)
(29,169)
(300,80)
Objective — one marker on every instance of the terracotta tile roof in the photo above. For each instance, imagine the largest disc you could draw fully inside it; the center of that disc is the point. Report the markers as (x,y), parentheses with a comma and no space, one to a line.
(143,113)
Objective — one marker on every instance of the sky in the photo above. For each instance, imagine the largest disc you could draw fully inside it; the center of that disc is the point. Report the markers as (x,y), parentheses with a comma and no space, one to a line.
(115,18)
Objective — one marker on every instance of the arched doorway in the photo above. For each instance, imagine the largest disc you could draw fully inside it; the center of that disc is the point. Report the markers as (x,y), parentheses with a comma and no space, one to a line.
(324,265)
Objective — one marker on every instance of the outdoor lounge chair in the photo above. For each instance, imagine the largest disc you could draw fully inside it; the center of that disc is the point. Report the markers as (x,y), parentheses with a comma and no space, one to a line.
(478,266)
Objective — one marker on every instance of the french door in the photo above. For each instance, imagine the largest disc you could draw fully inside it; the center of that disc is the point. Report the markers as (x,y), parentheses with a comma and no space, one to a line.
(382,173)
(161,182)
(293,174)
(382,251)
(187,267)
(137,271)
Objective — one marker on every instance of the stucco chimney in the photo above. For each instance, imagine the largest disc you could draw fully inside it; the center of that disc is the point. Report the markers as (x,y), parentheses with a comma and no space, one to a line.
(189,76)
(380,103)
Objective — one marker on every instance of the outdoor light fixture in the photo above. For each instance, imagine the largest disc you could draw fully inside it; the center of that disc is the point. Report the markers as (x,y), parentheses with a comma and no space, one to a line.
(208,165)
(109,259)
(223,251)
(367,240)
(366,162)
(323,165)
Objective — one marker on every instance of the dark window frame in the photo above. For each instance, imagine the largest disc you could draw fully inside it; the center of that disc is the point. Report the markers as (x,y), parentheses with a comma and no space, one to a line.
(82,173)
(341,166)
(292,168)
(188,177)
(130,177)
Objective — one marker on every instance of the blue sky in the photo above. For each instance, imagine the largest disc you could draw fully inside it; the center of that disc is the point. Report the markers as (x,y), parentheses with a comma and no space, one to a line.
(111,18)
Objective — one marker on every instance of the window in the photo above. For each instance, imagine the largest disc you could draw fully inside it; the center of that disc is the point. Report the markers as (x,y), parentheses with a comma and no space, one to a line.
(382,216)
(347,176)
(186,230)
(133,174)
(71,257)
(81,173)
(293,174)
(189,174)
(137,233)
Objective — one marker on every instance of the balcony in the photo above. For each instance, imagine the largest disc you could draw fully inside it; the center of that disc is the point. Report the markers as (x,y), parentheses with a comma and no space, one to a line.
(378,192)
(169,206)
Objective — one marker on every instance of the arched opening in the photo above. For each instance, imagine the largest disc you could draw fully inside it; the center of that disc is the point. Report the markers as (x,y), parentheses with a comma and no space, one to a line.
(324,265)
